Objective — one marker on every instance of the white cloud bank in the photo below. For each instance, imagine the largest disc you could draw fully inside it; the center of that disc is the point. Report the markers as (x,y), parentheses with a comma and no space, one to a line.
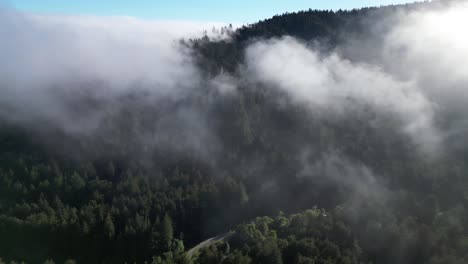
(45,58)
(423,71)
(331,83)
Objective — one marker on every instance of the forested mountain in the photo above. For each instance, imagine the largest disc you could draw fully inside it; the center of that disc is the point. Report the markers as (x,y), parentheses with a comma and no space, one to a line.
(288,176)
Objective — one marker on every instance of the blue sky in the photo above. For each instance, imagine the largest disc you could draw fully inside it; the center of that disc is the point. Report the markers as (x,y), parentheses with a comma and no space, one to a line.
(235,11)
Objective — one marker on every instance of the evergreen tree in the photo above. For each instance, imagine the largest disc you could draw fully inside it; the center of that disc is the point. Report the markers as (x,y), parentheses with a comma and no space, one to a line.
(167,229)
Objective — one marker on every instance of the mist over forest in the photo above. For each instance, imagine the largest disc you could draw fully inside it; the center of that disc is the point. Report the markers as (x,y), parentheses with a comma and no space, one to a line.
(309,137)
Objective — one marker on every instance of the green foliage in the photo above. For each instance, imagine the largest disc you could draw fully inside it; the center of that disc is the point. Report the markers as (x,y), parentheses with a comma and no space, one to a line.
(167,229)
(300,238)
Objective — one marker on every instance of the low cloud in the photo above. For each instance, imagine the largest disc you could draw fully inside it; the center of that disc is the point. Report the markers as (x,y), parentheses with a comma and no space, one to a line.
(329,83)
(428,47)
(78,72)
(355,183)
(116,81)
(47,61)
(412,65)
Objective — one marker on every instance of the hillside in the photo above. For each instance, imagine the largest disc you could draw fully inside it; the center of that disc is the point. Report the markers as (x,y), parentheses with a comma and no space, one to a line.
(305,135)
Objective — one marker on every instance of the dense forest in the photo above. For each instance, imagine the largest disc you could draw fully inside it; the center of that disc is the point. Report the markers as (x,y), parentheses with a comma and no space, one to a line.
(271,180)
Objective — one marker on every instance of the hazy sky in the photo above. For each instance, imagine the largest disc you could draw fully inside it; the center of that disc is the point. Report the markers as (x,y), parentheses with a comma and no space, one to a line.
(238,11)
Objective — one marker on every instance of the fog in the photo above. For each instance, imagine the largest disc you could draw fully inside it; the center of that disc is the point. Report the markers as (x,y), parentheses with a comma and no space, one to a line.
(428,48)
(331,83)
(79,74)
(49,62)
